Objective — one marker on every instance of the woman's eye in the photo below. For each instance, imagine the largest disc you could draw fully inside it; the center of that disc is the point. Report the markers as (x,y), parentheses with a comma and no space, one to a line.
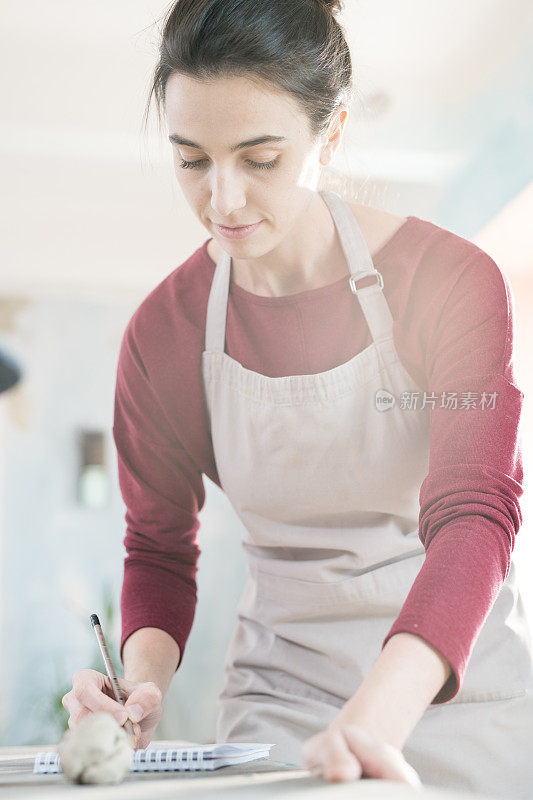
(263,164)
(254,164)
(191,164)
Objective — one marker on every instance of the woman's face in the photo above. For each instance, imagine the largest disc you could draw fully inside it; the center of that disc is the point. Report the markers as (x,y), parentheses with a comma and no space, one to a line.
(226,178)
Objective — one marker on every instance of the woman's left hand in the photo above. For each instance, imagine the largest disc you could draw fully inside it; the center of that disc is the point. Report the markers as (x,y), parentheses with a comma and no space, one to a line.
(346,751)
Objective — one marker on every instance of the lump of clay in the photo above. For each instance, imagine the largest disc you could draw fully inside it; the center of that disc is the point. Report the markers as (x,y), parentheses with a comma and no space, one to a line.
(96,750)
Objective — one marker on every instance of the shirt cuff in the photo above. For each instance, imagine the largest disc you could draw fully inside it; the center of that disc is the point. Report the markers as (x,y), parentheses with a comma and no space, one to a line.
(155,598)
(453,593)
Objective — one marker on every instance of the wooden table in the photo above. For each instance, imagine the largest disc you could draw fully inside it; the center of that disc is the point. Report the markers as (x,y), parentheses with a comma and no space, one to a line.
(255,779)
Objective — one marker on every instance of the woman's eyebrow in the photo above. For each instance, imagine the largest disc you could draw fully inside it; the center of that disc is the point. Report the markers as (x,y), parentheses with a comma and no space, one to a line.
(176,139)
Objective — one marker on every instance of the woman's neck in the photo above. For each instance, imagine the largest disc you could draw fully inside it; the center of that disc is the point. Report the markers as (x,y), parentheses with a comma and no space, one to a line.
(316,257)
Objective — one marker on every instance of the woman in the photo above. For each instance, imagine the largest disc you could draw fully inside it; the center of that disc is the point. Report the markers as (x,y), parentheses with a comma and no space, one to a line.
(363,424)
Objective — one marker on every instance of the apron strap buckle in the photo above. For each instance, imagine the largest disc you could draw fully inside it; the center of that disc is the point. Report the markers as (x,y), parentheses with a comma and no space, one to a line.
(364,274)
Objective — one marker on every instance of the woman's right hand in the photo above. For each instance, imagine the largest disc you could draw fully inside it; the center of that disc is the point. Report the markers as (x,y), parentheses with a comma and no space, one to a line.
(91,691)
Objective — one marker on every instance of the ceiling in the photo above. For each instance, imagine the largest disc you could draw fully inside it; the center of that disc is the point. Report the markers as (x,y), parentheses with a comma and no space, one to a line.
(92,206)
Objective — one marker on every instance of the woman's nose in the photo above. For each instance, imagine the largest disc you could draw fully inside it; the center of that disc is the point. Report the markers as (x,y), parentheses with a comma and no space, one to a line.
(227,196)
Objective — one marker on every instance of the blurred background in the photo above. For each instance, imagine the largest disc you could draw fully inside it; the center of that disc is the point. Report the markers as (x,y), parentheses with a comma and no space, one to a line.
(92,219)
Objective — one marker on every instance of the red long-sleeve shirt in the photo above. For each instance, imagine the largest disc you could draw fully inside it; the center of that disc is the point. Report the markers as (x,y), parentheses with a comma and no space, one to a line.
(453,331)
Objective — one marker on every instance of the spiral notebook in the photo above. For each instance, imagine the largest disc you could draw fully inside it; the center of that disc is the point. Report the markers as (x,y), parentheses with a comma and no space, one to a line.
(173,759)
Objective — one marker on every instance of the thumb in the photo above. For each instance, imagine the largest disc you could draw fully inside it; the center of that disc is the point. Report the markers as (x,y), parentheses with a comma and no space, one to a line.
(135,711)
(143,700)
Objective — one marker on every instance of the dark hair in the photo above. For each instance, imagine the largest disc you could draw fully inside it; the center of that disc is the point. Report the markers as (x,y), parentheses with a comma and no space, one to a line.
(297,46)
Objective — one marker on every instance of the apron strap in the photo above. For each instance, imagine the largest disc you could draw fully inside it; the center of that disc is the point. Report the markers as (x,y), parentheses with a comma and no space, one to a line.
(217,305)
(371,298)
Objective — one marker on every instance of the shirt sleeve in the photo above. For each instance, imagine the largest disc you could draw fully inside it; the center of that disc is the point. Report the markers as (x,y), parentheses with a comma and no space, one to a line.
(163,491)
(469,500)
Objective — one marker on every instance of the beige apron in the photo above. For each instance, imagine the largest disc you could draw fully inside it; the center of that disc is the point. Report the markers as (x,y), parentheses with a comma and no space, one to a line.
(326,482)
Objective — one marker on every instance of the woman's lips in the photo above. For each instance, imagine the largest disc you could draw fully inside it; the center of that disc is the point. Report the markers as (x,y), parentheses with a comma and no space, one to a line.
(239,232)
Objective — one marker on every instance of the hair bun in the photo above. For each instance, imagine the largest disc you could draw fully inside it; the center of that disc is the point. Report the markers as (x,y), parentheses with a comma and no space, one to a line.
(333,5)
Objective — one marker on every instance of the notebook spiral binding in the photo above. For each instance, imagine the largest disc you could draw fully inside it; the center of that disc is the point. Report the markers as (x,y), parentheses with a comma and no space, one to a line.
(144,760)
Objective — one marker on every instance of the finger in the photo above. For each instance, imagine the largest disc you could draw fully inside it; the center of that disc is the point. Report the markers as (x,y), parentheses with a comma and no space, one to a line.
(143,700)
(72,706)
(312,751)
(338,762)
(89,676)
(144,739)
(90,696)
(66,700)
(99,680)
(71,722)
(379,759)
(76,711)
(406,772)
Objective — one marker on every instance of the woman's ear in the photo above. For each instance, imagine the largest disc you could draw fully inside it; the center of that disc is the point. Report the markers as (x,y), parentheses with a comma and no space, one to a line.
(334,134)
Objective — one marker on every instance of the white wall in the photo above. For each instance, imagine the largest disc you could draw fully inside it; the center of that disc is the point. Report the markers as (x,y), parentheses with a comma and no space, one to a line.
(56,556)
